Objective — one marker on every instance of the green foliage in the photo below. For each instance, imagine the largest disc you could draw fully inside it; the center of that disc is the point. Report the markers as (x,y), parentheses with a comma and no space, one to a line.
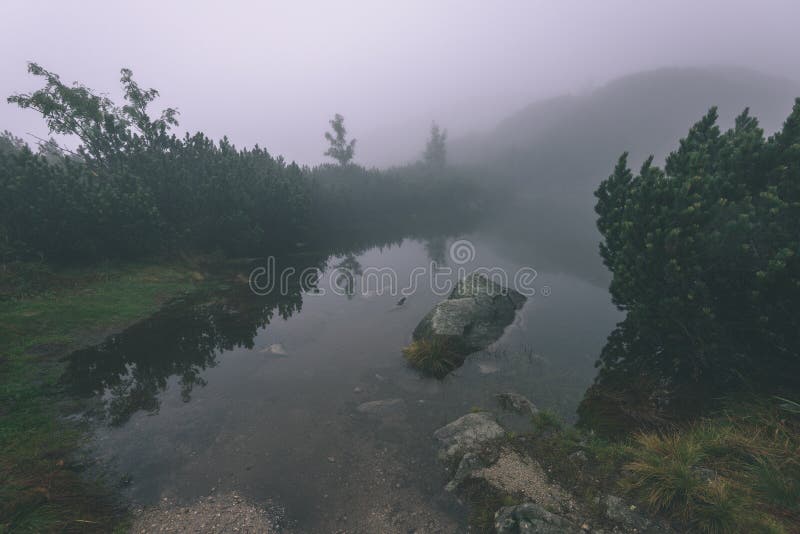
(134,188)
(546,420)
(341,150)
(705,261)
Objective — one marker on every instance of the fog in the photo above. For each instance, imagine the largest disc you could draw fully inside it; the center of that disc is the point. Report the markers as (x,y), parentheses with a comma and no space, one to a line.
(274,73)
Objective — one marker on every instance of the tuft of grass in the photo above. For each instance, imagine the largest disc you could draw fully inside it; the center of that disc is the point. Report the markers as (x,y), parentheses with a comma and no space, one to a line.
(776,483)
(664,472)
(435,356)
(736,472)
(717,509)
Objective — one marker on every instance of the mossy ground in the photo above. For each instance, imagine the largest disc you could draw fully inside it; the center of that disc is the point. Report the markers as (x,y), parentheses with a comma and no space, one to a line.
(43,316)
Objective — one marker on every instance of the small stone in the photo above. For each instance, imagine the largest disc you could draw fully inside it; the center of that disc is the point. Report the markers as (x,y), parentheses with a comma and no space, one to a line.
(357,389)
(386,408)
(487,368)
(516,403)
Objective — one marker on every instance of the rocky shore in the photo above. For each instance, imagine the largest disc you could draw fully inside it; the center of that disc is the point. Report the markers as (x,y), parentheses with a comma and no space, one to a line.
(511,491)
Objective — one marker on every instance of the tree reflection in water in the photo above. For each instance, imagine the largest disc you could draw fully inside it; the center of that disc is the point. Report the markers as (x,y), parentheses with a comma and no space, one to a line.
(131,369)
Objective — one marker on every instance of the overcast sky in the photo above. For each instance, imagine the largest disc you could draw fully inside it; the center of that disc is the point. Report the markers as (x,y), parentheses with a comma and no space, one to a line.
(273,73)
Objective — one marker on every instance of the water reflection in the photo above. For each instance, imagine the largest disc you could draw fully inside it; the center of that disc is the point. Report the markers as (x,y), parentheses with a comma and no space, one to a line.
(346,271)
(131,369)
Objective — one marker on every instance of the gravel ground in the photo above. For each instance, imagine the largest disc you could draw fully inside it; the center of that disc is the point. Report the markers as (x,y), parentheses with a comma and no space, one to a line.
(514,474)
(215,514)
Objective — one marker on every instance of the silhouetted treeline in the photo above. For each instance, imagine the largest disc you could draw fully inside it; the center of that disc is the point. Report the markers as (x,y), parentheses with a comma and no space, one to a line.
(133,188)
(705,256)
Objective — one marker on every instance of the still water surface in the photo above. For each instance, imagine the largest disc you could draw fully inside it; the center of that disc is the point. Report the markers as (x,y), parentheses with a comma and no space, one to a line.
(258,394)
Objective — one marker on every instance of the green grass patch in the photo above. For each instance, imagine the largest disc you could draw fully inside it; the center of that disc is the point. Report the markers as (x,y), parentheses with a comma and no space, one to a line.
(43,317)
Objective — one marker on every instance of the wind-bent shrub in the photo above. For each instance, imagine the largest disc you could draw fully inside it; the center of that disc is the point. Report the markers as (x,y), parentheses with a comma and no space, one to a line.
(705,257)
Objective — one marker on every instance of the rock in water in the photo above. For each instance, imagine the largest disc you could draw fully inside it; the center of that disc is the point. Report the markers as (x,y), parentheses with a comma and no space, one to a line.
(474,316)
(516,403)
(477,311)
(275,349)
(386,408)
(466,434)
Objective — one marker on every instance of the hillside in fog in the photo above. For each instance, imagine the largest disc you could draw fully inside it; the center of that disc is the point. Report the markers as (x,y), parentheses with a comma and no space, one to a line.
(553,139)
(555,152)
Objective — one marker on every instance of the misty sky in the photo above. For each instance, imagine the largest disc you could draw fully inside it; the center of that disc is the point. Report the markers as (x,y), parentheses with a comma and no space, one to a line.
(273,73)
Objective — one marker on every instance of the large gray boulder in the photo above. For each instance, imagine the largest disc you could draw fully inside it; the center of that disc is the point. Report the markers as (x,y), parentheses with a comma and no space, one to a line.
(477,311)
(474,316)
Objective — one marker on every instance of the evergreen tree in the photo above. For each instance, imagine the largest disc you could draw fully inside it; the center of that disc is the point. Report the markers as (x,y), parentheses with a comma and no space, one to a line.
(705,258)
(435,155)
(340,149)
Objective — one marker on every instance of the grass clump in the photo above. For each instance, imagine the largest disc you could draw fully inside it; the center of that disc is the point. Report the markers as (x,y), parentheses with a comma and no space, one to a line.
(434,356)
(737,472)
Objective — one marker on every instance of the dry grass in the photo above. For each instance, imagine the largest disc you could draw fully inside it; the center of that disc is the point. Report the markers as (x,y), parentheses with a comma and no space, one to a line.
(738,472)
(435,356)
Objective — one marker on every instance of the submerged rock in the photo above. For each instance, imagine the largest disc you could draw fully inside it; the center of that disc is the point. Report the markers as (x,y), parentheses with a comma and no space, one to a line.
(474,316)
(516,403)
(530,518)
(487,368)
(383,408)
(466,434)
(275,349)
